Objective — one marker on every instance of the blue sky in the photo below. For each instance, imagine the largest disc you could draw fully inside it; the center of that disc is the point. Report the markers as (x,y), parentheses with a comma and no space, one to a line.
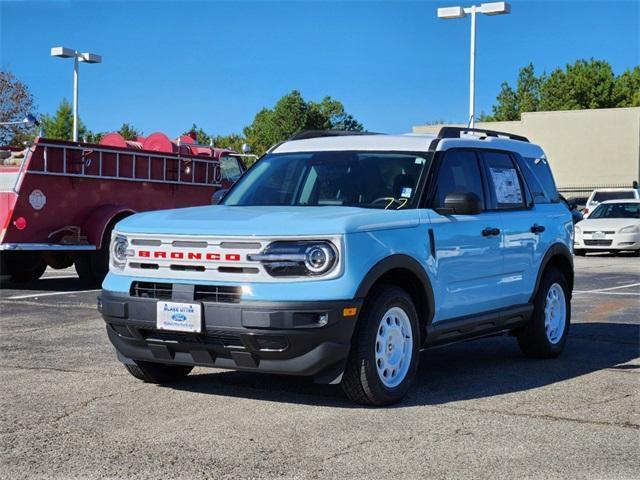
(167,64)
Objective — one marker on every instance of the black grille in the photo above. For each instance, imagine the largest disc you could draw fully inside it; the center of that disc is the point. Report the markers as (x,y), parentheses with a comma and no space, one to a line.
(206,293)
(161,291)
(217,293)
(598,243)
(606,232)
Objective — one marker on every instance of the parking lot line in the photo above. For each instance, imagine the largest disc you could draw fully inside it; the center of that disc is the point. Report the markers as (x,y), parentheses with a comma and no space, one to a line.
(602,290)
(49,294)
(58,277)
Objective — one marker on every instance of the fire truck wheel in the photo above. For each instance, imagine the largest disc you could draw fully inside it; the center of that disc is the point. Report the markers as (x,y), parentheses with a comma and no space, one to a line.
(25,266)
(82,262)
(100,263)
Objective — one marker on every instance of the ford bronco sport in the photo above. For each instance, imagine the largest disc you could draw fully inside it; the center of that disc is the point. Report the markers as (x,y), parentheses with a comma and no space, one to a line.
(341,256)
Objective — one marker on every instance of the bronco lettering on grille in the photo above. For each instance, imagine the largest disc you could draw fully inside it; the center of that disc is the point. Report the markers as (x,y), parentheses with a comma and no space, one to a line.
(210,256)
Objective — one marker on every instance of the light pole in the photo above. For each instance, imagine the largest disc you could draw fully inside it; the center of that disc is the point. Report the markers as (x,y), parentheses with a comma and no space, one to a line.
(493,8)
(78,57)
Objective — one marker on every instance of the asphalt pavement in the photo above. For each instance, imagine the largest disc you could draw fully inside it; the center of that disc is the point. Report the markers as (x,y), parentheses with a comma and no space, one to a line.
(478,409)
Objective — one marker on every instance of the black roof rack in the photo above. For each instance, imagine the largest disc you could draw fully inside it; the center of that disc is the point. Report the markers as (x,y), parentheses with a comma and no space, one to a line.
(454,132)
(304,134)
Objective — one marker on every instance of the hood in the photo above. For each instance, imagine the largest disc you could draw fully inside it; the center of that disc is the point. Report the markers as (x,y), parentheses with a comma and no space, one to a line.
(217,220)
(610,224)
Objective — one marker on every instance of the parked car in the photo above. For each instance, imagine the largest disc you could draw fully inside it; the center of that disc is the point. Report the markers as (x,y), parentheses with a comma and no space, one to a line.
(603,194)
(341,256)
(613,226)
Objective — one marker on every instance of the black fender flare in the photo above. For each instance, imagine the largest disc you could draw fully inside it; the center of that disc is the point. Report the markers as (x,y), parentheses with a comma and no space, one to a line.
(400,261)
(557,249)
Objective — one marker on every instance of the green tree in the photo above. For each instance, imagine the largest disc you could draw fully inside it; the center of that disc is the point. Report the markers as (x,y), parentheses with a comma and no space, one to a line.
(129,132)
(16,101)
(60,125)
(292,114)
(202,137)
(626,92)
(582,85)
(525,98)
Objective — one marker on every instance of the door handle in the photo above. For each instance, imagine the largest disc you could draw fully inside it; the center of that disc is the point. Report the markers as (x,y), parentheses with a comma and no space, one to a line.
(490,232)
(537,228)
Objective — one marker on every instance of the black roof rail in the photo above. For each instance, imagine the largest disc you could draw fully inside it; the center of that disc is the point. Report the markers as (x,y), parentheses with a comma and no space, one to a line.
(304,134)
(454,132)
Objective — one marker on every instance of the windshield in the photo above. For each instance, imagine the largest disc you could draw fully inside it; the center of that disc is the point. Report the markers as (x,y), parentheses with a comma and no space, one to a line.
(356,179)
(602,196)
(617,210)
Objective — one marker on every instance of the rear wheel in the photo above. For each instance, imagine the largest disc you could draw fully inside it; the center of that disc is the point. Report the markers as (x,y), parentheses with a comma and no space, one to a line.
(385,349)
(546,333)
(23,267)
(82,264)
(158,372)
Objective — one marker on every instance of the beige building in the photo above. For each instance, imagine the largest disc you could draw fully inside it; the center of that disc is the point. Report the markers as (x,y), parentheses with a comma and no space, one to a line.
(586,148)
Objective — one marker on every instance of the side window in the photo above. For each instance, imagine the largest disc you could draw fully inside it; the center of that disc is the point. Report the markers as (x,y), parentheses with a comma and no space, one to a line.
(230,169)
(459,172)
(538,175)
(504,181)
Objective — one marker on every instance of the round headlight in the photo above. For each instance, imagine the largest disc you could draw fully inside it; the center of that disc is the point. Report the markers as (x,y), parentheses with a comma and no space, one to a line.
(319,258)
(120,246)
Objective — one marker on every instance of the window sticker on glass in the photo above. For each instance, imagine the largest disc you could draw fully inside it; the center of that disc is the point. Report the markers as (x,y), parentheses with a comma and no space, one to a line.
(406,192)
(506,184)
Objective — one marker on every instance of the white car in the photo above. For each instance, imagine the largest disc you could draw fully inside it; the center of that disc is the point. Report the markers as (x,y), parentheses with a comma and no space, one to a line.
(603,194)
(613,226)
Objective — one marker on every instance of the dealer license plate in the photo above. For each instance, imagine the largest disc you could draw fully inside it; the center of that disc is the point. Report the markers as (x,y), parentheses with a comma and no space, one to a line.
(179,317)
(598,235)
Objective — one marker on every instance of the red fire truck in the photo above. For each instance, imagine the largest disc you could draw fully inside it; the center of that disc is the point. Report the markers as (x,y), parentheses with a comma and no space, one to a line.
(59,200)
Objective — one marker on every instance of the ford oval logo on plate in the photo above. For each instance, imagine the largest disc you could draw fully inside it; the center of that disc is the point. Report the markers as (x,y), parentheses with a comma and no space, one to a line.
(180,317)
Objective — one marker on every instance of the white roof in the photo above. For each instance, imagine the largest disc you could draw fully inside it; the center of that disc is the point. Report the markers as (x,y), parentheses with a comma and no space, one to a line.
(405,143)
(402,143)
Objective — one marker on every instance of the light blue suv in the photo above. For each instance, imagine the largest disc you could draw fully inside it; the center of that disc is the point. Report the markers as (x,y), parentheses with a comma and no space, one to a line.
(341,256)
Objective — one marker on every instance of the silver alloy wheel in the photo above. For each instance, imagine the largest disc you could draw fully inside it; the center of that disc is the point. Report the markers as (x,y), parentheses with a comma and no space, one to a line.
(555,313)
(394,347)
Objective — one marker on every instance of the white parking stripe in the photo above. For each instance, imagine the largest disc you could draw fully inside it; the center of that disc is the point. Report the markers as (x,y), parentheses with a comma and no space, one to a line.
(629,294)
(49,294)
(598,290)
(50,277)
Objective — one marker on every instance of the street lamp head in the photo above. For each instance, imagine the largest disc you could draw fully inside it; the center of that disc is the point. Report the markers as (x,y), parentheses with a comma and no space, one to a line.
(89,58)
(495,8)
(63,52)
(451,12)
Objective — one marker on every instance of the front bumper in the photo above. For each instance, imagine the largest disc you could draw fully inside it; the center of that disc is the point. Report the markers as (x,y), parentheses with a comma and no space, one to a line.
(618,241)
(271,337)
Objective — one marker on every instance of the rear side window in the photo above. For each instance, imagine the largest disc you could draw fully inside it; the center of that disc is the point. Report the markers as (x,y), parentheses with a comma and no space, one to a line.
(539,178)
(504,182)
(460,173)
(603,196)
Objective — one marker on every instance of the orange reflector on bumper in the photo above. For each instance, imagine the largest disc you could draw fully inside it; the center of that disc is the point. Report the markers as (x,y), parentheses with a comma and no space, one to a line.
(349,312)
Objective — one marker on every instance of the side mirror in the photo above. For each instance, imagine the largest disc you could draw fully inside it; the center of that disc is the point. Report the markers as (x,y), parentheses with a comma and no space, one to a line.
(217,197)
(466,203)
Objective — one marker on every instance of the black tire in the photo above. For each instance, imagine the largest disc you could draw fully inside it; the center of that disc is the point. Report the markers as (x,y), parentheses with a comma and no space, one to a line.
(82,264)
(533,338)
(361,381)
(580,253)
(158,372)
(24,266)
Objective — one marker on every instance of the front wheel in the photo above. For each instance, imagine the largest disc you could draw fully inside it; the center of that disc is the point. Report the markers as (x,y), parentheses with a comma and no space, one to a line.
(384,350)
(546,333)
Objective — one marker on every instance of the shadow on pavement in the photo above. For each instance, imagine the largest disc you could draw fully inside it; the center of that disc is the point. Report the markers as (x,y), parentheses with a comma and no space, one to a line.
(464,371)
(50,284)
